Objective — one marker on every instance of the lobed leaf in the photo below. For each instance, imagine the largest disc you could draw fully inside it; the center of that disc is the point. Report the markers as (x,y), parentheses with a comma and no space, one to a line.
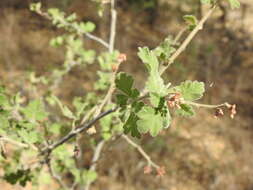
(191,90)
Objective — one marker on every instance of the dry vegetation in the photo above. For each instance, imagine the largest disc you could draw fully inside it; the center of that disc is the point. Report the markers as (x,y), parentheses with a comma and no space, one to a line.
(199,153)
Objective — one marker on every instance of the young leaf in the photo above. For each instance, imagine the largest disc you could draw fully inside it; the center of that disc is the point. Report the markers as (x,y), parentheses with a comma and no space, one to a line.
(191,90)
(35,111)
(65,110)
(234,4)
(55,128)
(88,176)
(155,83)
(191,20)
(150,121)
(79,105)
(206,1)
(165,49)
(87,27)
(3,100)
(149,58)
(4,123)
(104,80)
(35,6)
(29,137)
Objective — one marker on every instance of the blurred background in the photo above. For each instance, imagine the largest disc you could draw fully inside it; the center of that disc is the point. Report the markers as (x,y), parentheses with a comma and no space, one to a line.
(199,153)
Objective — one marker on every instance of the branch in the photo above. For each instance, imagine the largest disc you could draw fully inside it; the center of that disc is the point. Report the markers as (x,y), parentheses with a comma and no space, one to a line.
(114,74)
(23,145)
(88,35)
(187,40)
(205,105)
(75,132)
(97,39)
(95,158)
(56,176)
(113,26)
(141,151)
(179,35)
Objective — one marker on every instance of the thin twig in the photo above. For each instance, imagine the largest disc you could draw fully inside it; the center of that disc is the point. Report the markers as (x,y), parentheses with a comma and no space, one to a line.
(179,35)
(113,26)
(7,139)
(95,158)
(88,35)
(141,151)
(205,105)
(87,115)
(97,39)
(114,74)
(56,176)
(187,40)
(79,129)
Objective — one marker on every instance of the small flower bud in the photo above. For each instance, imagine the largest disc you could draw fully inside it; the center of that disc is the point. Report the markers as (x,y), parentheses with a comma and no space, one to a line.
(147,170)
(115,67)
(122,57)
(232,109)
(219,112)
(160,171)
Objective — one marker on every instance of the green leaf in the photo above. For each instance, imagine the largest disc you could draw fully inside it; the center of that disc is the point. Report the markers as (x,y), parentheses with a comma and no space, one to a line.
(124,83)
(65,110)
(191,90)
(185,110)
(148,57)
(107,60)
(121,100)
(191,20)
(165,49)
(131,126)
(155,83)
(55,128)
(206,1)
(21,176)
(106,124)
(35,6)
(3,100)
(57,41)
(79,105)
(4,123)
(234,4)
(88,176)
(35,111)
(29,137)
(45,178)
(87,26)
(154,99)
(104,80)
(150,121)
(55,13)
(71,17)
(68,113)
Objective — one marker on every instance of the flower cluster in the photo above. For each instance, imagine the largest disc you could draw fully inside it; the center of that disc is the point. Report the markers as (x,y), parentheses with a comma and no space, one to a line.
(232,109)
(160,171)
(174,100)
(122,57)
